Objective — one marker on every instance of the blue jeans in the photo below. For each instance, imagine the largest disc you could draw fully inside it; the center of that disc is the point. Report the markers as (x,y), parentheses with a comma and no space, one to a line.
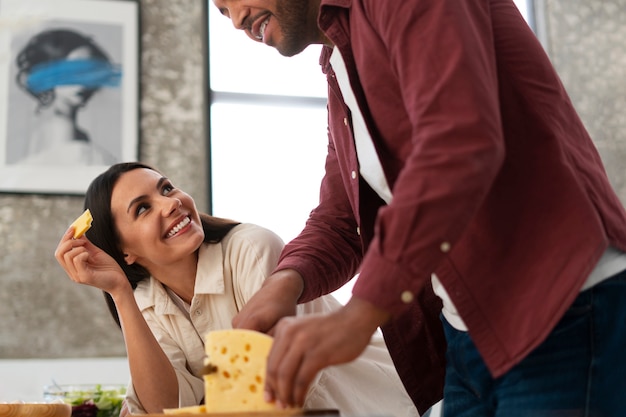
(578,371)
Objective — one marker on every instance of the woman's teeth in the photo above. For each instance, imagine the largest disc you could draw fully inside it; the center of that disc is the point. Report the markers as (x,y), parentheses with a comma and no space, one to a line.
(179,226)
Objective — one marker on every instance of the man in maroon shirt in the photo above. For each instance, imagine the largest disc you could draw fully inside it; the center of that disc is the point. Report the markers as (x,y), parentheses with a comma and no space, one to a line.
(457,166)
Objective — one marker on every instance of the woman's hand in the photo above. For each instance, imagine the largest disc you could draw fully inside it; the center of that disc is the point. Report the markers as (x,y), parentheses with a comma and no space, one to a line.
(87,264)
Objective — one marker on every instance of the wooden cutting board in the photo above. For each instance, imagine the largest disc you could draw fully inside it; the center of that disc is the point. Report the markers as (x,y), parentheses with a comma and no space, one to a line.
(272,413)
(35,409)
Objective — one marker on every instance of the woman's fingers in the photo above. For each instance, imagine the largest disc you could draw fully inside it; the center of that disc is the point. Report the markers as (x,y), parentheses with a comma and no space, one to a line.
(72,255)
(62,247)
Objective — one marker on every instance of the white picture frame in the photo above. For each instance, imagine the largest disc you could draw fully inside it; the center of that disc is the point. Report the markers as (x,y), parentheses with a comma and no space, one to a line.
(69,92)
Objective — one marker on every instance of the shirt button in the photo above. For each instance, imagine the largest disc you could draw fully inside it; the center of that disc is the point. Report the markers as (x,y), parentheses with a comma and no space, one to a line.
(353,174)
(345,121)
(358,231)
(445,247)
(406,297)
(198,312)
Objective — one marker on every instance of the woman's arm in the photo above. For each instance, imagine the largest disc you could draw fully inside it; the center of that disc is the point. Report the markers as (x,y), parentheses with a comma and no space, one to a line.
(153,375)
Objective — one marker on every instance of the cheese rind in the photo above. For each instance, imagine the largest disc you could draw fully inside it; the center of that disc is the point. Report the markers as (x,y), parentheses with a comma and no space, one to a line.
(82,224)
(240,357)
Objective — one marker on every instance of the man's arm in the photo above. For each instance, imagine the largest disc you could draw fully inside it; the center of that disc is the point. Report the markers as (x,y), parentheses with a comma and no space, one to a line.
(277,298)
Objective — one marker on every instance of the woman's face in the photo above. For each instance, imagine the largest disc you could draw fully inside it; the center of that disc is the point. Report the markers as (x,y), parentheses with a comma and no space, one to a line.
(158,224)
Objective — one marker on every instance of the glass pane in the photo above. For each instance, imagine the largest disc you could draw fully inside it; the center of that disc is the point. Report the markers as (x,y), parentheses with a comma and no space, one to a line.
(239,64)
(267,163)
(522,5)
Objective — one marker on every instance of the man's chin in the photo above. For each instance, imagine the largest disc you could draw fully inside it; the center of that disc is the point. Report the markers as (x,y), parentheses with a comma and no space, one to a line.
(289,51)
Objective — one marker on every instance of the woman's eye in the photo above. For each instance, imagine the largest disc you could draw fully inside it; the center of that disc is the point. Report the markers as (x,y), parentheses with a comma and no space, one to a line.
(167,188)
(140,209)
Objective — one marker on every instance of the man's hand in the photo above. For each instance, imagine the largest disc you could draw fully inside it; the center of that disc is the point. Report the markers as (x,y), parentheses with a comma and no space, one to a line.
(276,299)
(305,345)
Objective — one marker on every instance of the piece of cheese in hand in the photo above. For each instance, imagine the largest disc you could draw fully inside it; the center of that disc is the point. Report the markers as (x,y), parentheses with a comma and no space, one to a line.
(238,360)
(82,224)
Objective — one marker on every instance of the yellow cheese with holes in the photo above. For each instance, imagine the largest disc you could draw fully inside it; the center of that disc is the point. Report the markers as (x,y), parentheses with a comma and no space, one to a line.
(238,360)
(82,224)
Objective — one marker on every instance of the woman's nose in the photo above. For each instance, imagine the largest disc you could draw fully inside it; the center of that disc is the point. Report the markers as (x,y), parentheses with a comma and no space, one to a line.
(171,205)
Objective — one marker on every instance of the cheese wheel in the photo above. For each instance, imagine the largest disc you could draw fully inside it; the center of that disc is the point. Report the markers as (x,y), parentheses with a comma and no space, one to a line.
(238,359)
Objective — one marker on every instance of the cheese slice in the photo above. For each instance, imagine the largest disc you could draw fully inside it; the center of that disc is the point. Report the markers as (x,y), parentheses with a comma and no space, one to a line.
(193,409)
(82,224)
(238,361)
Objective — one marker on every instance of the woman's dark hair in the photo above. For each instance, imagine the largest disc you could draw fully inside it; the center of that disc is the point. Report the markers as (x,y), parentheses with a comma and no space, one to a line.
(104,235)
(52,45)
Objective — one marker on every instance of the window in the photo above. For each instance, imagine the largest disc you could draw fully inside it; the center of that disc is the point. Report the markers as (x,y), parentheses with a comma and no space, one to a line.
(267,130)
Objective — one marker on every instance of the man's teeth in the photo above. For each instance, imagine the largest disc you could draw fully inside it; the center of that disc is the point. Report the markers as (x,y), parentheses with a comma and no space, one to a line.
(179,226)
(262,29)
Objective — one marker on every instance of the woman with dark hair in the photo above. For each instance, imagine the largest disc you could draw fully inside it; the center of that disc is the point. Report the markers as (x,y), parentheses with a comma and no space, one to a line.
(172,274)
(62,69)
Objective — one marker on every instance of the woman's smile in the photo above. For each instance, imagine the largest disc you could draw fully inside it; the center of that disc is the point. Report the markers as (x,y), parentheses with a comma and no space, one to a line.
(180,227)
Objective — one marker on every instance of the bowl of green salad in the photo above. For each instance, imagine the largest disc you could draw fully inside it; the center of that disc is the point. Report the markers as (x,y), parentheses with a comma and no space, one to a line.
(89,400)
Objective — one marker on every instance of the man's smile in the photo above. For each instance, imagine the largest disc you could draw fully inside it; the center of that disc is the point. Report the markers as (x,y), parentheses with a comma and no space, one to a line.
(258,28)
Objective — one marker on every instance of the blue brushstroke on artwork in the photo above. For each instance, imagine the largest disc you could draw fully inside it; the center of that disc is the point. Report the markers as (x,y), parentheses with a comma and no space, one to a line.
(90,73)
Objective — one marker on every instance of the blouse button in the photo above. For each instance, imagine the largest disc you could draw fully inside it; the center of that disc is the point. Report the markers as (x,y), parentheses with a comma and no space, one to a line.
(345,121)
(358,230)
(406,297)
(445,247)
(353,174)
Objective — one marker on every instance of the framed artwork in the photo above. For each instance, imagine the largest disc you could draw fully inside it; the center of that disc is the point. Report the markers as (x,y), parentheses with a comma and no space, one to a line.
(69,92)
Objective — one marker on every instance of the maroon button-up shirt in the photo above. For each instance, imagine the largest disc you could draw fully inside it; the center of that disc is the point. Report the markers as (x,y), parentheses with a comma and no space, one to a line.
(497,187)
